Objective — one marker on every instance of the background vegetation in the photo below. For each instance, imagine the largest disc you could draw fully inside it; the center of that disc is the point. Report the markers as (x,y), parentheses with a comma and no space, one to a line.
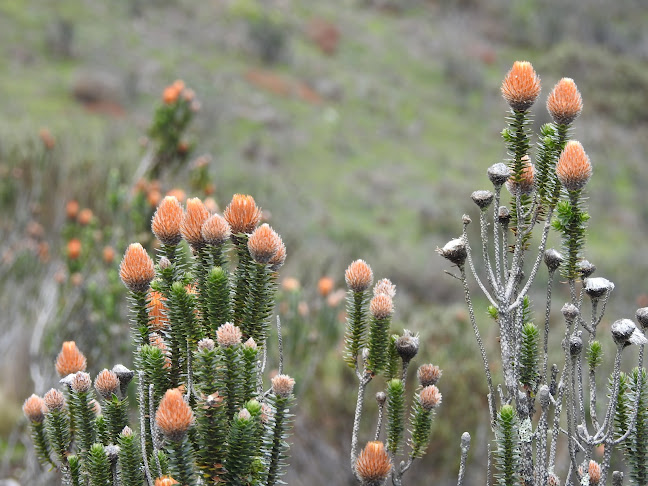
(362,126)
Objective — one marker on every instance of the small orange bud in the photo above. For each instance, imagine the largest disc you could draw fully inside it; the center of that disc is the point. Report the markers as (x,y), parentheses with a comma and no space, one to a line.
(228,335)
(54,400)
(430,397)
(277,261)
(178,85)
(71,209)
(242,214)
(170,95)
(565,102)
(574,168)
(174,415)
(373,464)
(81,382)
(70,360)
(49,142)
(381,306)
(107,384)
(76,279)
(192,222)
(165,481)
(74,249)
(34,409)
(282,385)
(178,193)
(85,217)
(216,230)
(594,470)
(385,286)
(137,269)
(358,276)
(526,183)
(290,284)
(167,221)
(264,244)
(325,286)
(108,254)
(521,86)
(153,197)
(429,374)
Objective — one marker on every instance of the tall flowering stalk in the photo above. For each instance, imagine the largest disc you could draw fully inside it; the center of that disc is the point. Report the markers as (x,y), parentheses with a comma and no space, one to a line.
(546,191)
(204,414)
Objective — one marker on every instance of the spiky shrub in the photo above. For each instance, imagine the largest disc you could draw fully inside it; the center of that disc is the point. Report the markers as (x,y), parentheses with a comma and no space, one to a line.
(547,190)
(371,350)
(204,415)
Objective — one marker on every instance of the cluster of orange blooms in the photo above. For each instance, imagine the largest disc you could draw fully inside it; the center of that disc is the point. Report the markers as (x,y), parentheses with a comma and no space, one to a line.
(178,90)
(154,194)
(325,288)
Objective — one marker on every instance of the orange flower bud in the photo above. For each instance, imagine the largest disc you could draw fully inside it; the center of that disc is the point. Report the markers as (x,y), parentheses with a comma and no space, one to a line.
(242,214)
(574,168)
(565,102)
(325,286)
(74,249)
(167,221)
(70,360)
(193,221)
(373,464)
(137,269)
(358,276)
(174,415)
(521,86)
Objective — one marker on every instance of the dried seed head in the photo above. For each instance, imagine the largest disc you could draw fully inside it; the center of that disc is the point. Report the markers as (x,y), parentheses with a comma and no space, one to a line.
(206,344)
(483,199)
(277,261)
(167,220)
(503,215)
(112,452)
(242,214)
(585,268)
(81,383)
(574,168)
(544,396)
(565,102)
(552,259)
(124,375)
(381,306)
(430,397)
(264,244)
(165,481)
(358,276)
(521,86)
(386,287)
(526,182)
(407,345)
(553,480)
(625,333)
(107,384)
(325,286)
(174,415)
(157,311)
(455,251)
(137,270)
(594,470)
(250,343)
(54,400)
(228,335)
(498,174)
(34,409)
(282,385)
(127,432)
(70,359)
(575,344)
(381,397)
(642,316)
(192,222)
(429,374)
(570,312)
(597,287)
(216,230)
(373,464)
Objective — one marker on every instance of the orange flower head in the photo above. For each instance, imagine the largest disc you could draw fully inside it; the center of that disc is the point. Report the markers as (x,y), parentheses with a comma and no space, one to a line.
(574,168)
(264,244)
(277,261)
(167,221)
(34,409)
(178,193)
(594,470)
(137,270)
(526,183)
(381,306)
(108,254)
(565,102)
(74,248)
(49,142)
(179,85)
(521,86)
(70,360)
(290,284)
(373,464)
(430,397)
(170,95)
(242,214)
(325,286)
(54,400)
(157,311)
(72,209)
(165,481)
(174,415)
(228,335)
(153,198)
(429,374)
(386,287)
(282,385)
(107,384)
(358,276)
(216,230)
(193,221)
(85,217)
(81,382)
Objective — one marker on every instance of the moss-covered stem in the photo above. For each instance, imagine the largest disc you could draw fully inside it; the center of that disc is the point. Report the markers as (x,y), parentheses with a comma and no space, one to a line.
(116,411)
(85,422)
(230,378)
(473,270)
(155,435)
(362,387)
(379,422)
(129,461)
(496,238)
(279,446)
(144,441)
(545,348)
(355,328)
(483,226)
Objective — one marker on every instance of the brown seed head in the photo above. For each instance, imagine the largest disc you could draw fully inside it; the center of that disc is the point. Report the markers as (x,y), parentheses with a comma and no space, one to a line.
(526,184)
(277,261)
(565,102)
(157,311)
(216,230)
(167,220)
(358,276)
(373,464)
(54,400)
(381,306)
(34,409)
(385,286)
(106,384)
(193,221)
(407,345)
(70,360)
(228,335)
(325,286)
(553,480)
(574,168)
(521,86)
(264,244)
(429,374)
(242,214)
(174,415)
(430,397)
(282,385)
(165,481)
(81,382)
(137,270)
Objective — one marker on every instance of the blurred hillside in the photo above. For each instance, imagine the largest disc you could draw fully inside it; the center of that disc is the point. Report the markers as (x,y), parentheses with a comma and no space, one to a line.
(362,126)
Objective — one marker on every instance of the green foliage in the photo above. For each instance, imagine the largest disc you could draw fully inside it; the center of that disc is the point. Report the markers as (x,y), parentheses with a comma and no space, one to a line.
(259,303)
(570,222)
(212,428)
(218,298)
(354,338)
(75,469)
(249,375)
(129,460)
(98,466)
(206,367)
(420,424)
(229,378)
(394,364)
(40,443)
(140,317)
(57,426)
(85,422)
(276,448)
(395,415)
(242,447)
(154,364)
(101,428)
(116,411)
(378,358)
(529,357)
(636,445)
(594,355)
(492,312)
(241,278)
(181,462)
(507,452)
